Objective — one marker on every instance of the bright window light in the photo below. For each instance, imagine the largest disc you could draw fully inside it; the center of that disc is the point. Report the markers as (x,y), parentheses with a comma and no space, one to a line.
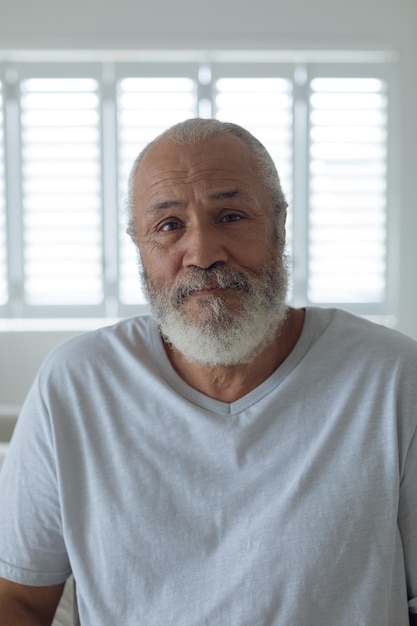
(347,216)
(61,191)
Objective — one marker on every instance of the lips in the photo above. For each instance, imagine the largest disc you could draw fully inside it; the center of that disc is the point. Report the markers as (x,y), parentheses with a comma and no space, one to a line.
(202,283)
(206,290)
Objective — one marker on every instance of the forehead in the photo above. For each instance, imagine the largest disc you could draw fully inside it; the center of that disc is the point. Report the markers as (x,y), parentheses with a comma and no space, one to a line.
(217,163)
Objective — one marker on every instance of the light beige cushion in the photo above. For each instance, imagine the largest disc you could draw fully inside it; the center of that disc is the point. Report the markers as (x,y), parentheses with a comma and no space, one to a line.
(65,614)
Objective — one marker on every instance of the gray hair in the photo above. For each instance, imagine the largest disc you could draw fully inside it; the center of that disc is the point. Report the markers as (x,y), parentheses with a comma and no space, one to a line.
(197,130)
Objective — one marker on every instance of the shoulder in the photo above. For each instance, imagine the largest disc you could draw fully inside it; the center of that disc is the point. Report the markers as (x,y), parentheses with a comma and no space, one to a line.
(106,345)
(362,336)
(369,366)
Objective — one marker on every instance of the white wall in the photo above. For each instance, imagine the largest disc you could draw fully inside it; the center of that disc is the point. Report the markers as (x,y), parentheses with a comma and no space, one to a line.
(90,23)
(227,24)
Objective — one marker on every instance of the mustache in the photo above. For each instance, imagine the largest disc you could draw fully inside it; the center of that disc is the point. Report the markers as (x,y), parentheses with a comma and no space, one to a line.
(210,278)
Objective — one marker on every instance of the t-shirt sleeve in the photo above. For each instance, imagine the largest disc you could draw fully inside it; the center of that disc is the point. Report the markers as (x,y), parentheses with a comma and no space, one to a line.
(407,513)
(32,547)
(408,522)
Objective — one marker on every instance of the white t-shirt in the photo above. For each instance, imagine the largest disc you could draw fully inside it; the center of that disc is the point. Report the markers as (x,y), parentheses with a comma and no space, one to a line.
(295,505)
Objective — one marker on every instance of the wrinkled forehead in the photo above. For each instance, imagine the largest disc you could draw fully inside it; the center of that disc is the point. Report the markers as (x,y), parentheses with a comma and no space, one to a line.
(217,160)
(223,153)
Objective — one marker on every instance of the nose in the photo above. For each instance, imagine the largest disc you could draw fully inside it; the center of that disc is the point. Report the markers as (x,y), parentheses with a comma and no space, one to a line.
(203,247)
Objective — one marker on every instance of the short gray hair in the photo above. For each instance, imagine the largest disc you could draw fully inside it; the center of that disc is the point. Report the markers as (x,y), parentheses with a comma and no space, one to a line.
(197,130)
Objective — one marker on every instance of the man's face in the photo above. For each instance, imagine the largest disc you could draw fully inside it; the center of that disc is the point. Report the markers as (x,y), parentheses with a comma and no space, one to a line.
(211,248)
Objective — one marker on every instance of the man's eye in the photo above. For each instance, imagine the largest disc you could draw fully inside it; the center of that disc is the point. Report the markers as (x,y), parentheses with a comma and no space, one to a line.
(168,226)
(231,217)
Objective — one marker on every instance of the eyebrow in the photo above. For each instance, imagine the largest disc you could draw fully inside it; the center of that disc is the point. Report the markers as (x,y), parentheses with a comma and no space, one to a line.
(165,204)
(225,195)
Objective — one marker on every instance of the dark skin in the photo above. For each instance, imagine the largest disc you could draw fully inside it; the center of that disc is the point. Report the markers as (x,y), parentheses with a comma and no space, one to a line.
(22,605)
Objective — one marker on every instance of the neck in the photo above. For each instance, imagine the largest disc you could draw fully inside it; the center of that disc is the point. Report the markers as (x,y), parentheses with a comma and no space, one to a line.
(229,383)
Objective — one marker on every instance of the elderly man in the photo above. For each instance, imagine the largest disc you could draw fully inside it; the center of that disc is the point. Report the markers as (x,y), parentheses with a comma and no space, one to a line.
(229,460)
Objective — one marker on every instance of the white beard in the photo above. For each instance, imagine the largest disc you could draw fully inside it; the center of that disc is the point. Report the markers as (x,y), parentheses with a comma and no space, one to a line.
(222,337)
(214,345)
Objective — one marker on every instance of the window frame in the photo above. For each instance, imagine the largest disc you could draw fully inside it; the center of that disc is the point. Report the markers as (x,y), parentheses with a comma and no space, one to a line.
(108,72)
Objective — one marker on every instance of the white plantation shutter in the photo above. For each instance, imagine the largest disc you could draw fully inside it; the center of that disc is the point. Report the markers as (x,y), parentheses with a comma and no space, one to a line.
(264,107)
(348,168)
(146,107)
(3,259)
(61,197)
(67,146)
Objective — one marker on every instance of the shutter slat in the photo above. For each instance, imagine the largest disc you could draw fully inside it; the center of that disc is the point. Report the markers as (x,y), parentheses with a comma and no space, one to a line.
(61,191)
(347,216)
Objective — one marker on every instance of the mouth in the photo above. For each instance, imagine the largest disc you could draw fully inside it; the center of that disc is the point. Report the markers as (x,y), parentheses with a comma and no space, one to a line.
(202,289)
(207,291)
